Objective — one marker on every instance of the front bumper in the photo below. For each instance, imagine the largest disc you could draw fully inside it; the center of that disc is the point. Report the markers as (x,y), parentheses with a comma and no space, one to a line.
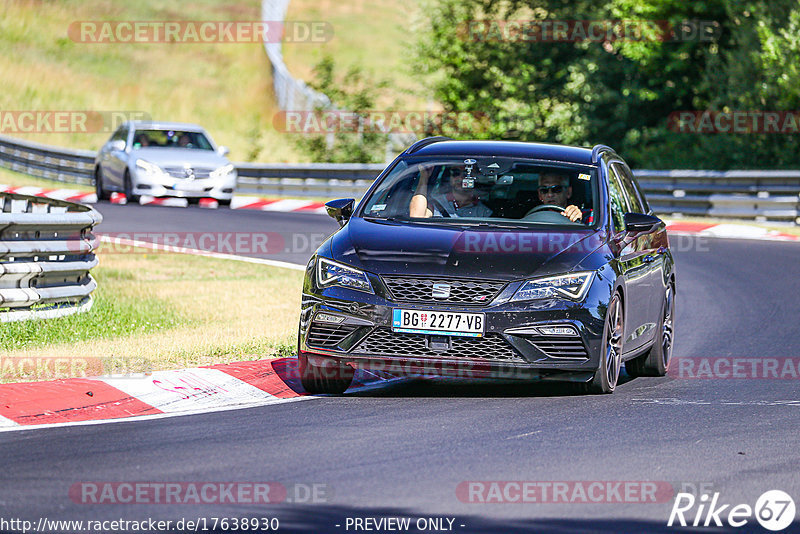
(166,186)
(511,348)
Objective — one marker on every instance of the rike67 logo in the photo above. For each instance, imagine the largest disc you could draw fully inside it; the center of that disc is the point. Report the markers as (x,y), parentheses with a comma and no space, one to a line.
(774,510)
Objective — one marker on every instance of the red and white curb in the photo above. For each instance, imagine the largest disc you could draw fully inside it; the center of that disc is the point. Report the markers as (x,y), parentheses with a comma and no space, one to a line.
(220,387)
(728,231)
(238,202)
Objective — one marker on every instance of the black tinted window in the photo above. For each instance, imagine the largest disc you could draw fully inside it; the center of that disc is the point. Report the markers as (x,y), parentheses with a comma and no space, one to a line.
(635,200)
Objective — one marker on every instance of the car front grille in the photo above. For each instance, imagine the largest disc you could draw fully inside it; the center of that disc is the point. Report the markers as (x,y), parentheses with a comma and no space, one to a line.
(466,292)
(559,346)
(326,335)
(180,172)
(492,347)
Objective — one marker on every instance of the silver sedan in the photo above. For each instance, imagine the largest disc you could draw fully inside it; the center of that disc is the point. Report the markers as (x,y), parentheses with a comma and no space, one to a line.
(164,160)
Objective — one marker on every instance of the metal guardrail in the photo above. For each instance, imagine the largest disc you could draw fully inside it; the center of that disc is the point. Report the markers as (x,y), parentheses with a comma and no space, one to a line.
(759,195)
(49,162)
(46,252)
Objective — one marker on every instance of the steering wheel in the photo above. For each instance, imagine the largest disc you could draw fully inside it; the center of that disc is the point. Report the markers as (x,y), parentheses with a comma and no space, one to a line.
(543,207)
(439,206)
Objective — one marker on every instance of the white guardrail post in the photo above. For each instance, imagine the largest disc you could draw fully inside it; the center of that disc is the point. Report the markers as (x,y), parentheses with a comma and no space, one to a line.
(46,252)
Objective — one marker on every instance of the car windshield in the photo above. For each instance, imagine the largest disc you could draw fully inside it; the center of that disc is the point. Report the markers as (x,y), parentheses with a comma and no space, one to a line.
(171,139)
(486,191)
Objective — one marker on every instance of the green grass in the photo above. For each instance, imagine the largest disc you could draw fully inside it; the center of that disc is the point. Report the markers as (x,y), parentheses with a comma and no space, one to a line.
(226,87)
(16,179)
(109,318)
(165,311)
(378,35)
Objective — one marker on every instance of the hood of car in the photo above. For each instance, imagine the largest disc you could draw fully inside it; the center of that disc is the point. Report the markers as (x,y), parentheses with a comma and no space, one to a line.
(386,247)
(178,157)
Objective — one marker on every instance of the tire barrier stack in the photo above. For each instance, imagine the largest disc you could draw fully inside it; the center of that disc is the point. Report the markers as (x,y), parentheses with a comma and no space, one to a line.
(46,252)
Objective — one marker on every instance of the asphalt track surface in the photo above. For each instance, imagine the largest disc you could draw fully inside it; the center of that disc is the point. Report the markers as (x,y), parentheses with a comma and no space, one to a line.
(402,450)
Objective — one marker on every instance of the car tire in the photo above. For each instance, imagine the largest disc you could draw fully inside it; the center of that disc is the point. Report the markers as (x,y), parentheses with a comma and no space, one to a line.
(333,379)
(99,190)
(130,198)
(607,374)
(655,362)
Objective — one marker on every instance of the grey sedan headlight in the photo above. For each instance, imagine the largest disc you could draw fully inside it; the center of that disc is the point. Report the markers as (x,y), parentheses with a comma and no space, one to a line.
(332,273)
(222,172)
(149,168)
(572,286)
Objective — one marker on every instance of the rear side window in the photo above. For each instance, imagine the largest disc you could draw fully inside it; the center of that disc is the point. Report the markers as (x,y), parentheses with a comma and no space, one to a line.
(617,200)
(635,198)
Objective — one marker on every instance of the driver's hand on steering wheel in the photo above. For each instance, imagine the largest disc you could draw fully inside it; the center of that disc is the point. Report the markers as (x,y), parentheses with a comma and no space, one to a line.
(573,213)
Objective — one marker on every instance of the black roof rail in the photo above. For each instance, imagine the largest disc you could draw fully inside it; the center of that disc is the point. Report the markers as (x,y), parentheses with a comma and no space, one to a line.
(425,142)
(596,152)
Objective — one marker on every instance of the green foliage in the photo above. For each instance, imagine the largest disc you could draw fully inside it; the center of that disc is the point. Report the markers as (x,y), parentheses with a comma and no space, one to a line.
(622,92)
(354,94)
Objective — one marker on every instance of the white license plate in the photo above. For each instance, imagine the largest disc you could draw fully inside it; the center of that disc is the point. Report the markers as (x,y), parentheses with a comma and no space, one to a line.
(438,322)
(190,185)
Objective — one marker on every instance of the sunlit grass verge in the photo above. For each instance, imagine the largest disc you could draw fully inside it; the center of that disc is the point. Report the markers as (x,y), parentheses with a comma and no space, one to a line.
(162,311)
(108,318)
(17,179)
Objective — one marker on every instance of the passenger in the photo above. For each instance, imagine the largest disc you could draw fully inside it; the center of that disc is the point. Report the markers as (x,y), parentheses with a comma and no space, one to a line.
(554,189)
(458,202)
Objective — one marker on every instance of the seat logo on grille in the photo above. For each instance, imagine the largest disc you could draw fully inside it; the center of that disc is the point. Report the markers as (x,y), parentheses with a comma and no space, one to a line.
(441,291)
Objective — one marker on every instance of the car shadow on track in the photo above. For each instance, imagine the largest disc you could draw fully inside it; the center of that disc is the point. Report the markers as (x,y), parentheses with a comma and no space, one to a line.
(459,387)
(385,385)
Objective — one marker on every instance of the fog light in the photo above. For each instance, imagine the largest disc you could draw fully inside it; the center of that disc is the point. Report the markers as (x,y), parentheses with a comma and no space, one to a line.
(328,318)
(557,330)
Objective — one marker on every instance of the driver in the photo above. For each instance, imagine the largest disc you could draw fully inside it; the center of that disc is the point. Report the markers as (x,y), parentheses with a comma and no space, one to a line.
(458,202)
(555,189)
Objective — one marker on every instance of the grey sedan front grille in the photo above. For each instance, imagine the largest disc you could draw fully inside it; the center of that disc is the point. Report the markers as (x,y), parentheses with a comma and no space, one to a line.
(492,347)
(457,291)
(180,172)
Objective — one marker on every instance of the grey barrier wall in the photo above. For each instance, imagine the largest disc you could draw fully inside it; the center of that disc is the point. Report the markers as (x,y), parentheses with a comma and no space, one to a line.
(759,195)
(46,253)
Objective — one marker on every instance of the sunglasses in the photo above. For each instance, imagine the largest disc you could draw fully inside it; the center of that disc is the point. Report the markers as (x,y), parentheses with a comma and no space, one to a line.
(556,189)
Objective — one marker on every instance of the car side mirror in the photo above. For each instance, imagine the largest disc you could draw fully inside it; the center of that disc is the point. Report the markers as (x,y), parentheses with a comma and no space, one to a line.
(641,223)
(223,151)
(340,209)
(118,144)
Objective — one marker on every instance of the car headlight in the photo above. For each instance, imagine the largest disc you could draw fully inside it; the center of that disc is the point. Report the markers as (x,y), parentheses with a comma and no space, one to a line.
(331,273)
(149,168)
(572,286)
(222,171)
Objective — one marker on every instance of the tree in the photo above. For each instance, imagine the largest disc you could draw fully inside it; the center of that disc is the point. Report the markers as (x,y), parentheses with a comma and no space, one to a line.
(717,55)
